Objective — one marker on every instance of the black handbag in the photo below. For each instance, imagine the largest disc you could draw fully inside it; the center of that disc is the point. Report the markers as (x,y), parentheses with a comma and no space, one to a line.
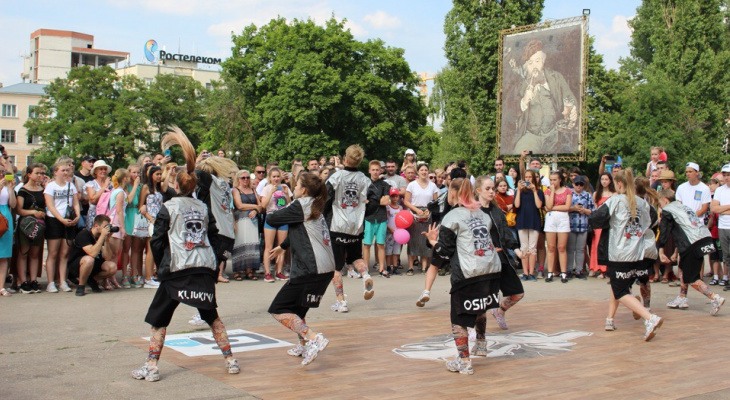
(30,226)
(70,215)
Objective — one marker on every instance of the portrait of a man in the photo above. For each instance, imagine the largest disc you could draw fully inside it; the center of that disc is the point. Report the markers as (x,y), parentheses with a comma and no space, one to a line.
(541,82)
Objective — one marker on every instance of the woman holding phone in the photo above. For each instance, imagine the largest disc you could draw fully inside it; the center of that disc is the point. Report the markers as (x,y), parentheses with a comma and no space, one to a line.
(274,196)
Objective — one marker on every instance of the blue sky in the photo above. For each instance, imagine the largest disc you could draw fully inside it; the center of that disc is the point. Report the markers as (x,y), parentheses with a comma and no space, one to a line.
(203,27)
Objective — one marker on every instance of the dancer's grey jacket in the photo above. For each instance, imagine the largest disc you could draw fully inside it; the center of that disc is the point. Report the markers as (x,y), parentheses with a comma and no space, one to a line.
(464,239)
(622,238)
(309,240)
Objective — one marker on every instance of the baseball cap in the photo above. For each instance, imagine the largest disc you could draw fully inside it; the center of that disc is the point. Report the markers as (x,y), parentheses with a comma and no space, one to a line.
(409,151)
(726,168)
(579,179)
(694,166)
(395,192)
(89,158)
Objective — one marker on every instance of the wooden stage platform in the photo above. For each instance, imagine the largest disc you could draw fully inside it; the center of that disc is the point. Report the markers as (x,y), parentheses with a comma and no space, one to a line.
(688,357)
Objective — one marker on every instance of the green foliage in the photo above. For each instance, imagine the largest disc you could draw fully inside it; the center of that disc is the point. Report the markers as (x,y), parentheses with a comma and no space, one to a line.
(678,95)
(313,90)
(175,100)
(93,111)
(466,90)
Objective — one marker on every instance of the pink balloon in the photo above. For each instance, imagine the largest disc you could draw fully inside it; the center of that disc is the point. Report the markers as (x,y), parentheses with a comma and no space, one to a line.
(663,156)
(401,236)
(403,219)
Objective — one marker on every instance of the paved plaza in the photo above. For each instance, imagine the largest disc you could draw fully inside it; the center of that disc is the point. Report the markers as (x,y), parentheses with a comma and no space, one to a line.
(60,346)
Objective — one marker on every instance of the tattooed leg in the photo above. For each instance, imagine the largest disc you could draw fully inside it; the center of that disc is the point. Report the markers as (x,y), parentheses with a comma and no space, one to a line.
(295,324)
(337,283)
(221,337)
(645,290)
(461,338)
(302,339)
(683,290)
(157,341)
(481,326)
(701,287)
(508,302)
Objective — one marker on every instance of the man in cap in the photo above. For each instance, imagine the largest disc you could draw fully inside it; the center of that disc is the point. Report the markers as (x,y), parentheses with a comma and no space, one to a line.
(546,103)
(721,206)
(87,162)
(693,193)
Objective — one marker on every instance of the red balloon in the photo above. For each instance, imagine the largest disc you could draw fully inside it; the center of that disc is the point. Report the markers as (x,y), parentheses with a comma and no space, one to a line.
(403,219)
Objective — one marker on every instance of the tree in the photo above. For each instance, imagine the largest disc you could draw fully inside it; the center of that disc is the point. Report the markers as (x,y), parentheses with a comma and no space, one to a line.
(678,97)
(175,100)
(227,116)
(92,111)
(466,91)
(314,90)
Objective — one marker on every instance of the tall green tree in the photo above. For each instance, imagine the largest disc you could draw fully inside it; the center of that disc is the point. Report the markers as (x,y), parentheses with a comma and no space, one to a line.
(228,126)
(314,90)
(466,92)
(175,100)
(92,111)
(678,97)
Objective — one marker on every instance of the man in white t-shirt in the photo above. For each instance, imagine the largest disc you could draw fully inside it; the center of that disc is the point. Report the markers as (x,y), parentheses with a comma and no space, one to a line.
(693,193)
(721,206)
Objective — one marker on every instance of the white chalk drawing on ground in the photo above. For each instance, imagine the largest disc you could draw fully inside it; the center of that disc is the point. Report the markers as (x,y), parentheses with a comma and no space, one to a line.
(524,344)
(203,344)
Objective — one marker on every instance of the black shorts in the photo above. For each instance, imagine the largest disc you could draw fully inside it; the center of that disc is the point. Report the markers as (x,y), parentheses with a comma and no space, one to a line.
(622,275)
(163,307)
(473,300)
(222,246)
(717,255)
(74,267)
(299,296)
(346,248)
(690,261)
(643,274)
(55,229)
(509,282)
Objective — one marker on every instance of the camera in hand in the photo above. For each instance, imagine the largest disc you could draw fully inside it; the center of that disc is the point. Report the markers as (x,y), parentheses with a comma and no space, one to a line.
(113,229)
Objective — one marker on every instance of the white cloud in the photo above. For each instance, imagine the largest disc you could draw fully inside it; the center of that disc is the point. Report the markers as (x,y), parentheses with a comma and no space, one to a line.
(613,41)
(381,20)
(356,29)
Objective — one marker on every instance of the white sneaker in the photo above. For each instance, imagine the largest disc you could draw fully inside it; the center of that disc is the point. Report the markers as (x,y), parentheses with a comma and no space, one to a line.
(340,306)
(51,288)
(678,303)
(64,286)
(151,284)
(313,348)
(652,324)
(297,350)
(716,303)
(352,273)
(423,298)
(233,367)
(460,366)
(196,320)
(610,325)
(367,286)
(480,348)
(150,374)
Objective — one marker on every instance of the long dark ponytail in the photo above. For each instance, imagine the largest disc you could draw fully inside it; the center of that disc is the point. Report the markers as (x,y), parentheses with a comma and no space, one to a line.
(316,189)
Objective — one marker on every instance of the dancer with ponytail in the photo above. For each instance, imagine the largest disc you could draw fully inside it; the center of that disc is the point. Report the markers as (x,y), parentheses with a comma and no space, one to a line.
(624,219)
(313,263)
(186,264)
(349,201)
(464,239)
(651,253)
(509,283)
(693,241)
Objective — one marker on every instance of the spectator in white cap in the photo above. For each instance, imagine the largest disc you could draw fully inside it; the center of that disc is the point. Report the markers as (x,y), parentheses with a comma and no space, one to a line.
(695,194)
(409,160)
(721,206)
(96,187)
